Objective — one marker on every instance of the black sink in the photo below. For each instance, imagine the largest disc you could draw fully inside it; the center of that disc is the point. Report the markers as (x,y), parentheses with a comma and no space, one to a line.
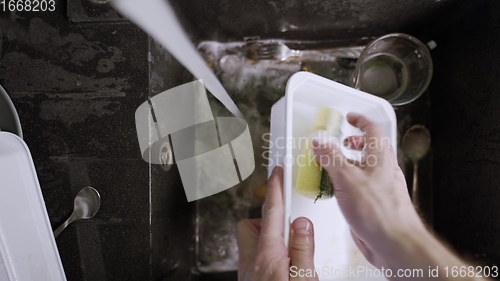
(77,75)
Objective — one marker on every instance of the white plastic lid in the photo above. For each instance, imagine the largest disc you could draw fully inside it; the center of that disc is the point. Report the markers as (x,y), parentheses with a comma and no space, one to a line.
(28,250)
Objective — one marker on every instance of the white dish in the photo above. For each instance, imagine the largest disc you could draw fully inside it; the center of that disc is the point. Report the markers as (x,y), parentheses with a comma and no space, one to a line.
(28,251)
(9,120)
(291,119)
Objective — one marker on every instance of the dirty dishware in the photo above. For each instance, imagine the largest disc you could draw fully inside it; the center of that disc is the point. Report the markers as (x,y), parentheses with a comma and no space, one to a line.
(87,203)
(396,67)
(416,143)
(281,52)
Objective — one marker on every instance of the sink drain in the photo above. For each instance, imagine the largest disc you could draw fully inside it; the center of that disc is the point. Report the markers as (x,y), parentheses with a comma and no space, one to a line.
(166,157)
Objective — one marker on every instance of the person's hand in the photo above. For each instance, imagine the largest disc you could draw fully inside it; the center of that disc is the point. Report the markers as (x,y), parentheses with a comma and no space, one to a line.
(372,194)
(262,252)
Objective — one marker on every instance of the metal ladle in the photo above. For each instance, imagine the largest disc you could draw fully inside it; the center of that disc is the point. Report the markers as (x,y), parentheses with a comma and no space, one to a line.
(415,144)
(87,203)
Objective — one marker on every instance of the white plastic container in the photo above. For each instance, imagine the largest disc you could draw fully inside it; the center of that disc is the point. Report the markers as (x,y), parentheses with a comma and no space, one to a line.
(28,251)
(291,119)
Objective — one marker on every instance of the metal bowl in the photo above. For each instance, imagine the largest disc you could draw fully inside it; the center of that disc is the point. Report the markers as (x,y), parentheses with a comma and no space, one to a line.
(9,120)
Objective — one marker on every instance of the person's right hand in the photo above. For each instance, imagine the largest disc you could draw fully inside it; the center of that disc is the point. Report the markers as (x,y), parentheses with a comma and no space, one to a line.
(372,194)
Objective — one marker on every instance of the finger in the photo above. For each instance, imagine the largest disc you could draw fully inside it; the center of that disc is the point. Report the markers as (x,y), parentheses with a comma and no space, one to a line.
(355,142)
(365,125)
(374,139)
(272,210)
(302,247)
(247,237)
(329,157)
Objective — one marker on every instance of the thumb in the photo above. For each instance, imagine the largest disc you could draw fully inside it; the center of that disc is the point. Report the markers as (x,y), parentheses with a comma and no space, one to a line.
(302,248)
(247,235)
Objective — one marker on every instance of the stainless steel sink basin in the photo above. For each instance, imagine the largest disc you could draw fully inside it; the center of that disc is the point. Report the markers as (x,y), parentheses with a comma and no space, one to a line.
(255,85)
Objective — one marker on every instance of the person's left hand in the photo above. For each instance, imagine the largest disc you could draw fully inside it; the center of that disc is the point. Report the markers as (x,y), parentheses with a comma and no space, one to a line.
(262,252)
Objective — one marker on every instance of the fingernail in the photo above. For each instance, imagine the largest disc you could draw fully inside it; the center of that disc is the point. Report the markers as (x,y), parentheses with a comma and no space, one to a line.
(301,226)
(276,169)
(353,114)
(319,148)
(347,143)
(315,144)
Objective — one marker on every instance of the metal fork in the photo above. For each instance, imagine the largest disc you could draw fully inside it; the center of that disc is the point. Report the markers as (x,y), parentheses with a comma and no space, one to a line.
(281,52)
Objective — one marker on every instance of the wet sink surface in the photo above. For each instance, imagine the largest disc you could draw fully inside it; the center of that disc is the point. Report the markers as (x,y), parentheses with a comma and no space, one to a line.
(255,85)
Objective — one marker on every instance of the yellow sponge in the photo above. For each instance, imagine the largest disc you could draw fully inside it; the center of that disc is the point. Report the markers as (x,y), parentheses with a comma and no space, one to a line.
(312,181)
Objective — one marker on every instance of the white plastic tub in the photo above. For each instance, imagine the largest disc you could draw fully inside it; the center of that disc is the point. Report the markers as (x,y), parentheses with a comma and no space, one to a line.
(28,251)
(291,119)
